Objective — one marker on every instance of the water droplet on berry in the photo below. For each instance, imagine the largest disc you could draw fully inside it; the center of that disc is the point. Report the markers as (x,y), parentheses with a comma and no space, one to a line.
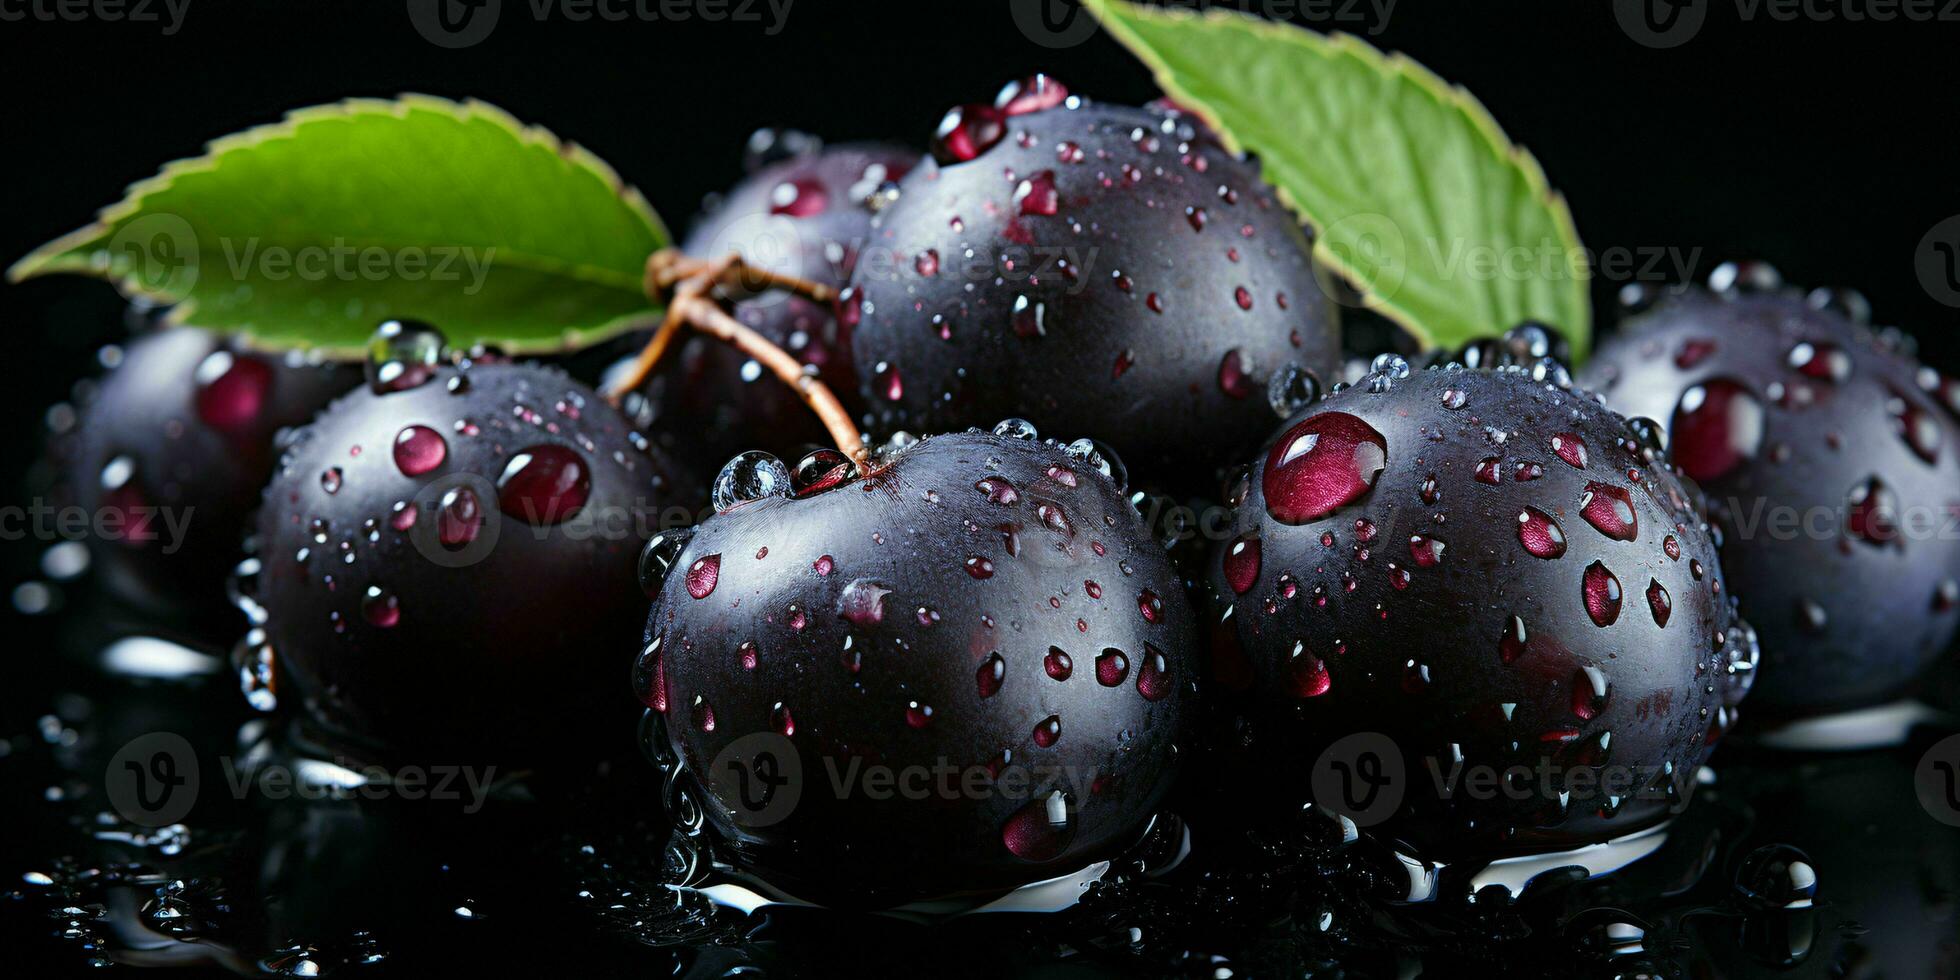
(419,449)
(1321,464)
(1540,534)
(544,484)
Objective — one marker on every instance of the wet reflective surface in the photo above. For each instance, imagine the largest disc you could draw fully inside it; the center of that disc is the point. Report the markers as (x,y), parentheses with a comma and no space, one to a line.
(1785,865)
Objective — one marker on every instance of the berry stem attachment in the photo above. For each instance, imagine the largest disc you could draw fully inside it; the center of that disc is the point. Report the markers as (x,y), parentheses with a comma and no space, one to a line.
(691,281)
(668,268)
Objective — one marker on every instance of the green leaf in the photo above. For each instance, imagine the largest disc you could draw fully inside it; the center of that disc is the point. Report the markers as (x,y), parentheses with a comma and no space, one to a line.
(310,231)
(1415,194)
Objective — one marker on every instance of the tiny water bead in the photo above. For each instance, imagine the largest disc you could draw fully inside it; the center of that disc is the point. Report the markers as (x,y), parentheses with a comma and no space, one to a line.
(381,607)
(1058,664)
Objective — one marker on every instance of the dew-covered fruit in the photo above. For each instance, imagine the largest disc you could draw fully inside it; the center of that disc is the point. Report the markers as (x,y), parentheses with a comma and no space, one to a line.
(804,215)
(1830,458)
(170,453)
(1486,569)
(442,569)
(981,613)
(1098,268)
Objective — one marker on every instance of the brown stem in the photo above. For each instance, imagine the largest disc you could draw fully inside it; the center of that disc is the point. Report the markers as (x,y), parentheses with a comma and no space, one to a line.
(708,318)
(668,267)
(691,280)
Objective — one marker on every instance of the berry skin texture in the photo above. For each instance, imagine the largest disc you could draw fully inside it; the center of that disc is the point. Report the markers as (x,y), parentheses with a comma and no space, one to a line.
(978,604)
(804,216)
(1097,268)
(183,429)
(1787,414)
(1475,562)
(443,568)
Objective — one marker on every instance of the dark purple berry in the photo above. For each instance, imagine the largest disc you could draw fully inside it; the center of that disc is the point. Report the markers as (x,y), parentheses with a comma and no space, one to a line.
(1831,459)
(1091,267)
(178,438)
(443,567)
(1475,565)
(805,215)
(974,604)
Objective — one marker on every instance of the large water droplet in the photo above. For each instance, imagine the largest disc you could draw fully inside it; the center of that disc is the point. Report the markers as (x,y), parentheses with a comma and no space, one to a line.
(967,131)
(863,602)
(1321,464)
(1039,831)
(232,390)
(1540,534)
(1112,667)
(402,354)
(753,475)
(658,557)
(1717,427)
(703,576)
(419,449)
(1602,594)
(1610,509)
(992,671)
(1241,563)
(544,484)
(1292,389)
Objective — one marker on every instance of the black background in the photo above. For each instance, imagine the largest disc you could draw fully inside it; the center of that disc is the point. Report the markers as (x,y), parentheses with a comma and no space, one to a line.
(1818,145)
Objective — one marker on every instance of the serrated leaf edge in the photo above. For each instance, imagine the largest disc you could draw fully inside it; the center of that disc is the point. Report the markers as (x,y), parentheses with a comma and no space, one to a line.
(1386,65)
(63,254)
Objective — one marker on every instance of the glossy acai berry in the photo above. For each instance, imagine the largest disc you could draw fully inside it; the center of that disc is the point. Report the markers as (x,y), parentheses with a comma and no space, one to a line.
(1107,269)
(170,453)
(804,215)
(1831,458)
(980,617)
(1485,568)
(443,567)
